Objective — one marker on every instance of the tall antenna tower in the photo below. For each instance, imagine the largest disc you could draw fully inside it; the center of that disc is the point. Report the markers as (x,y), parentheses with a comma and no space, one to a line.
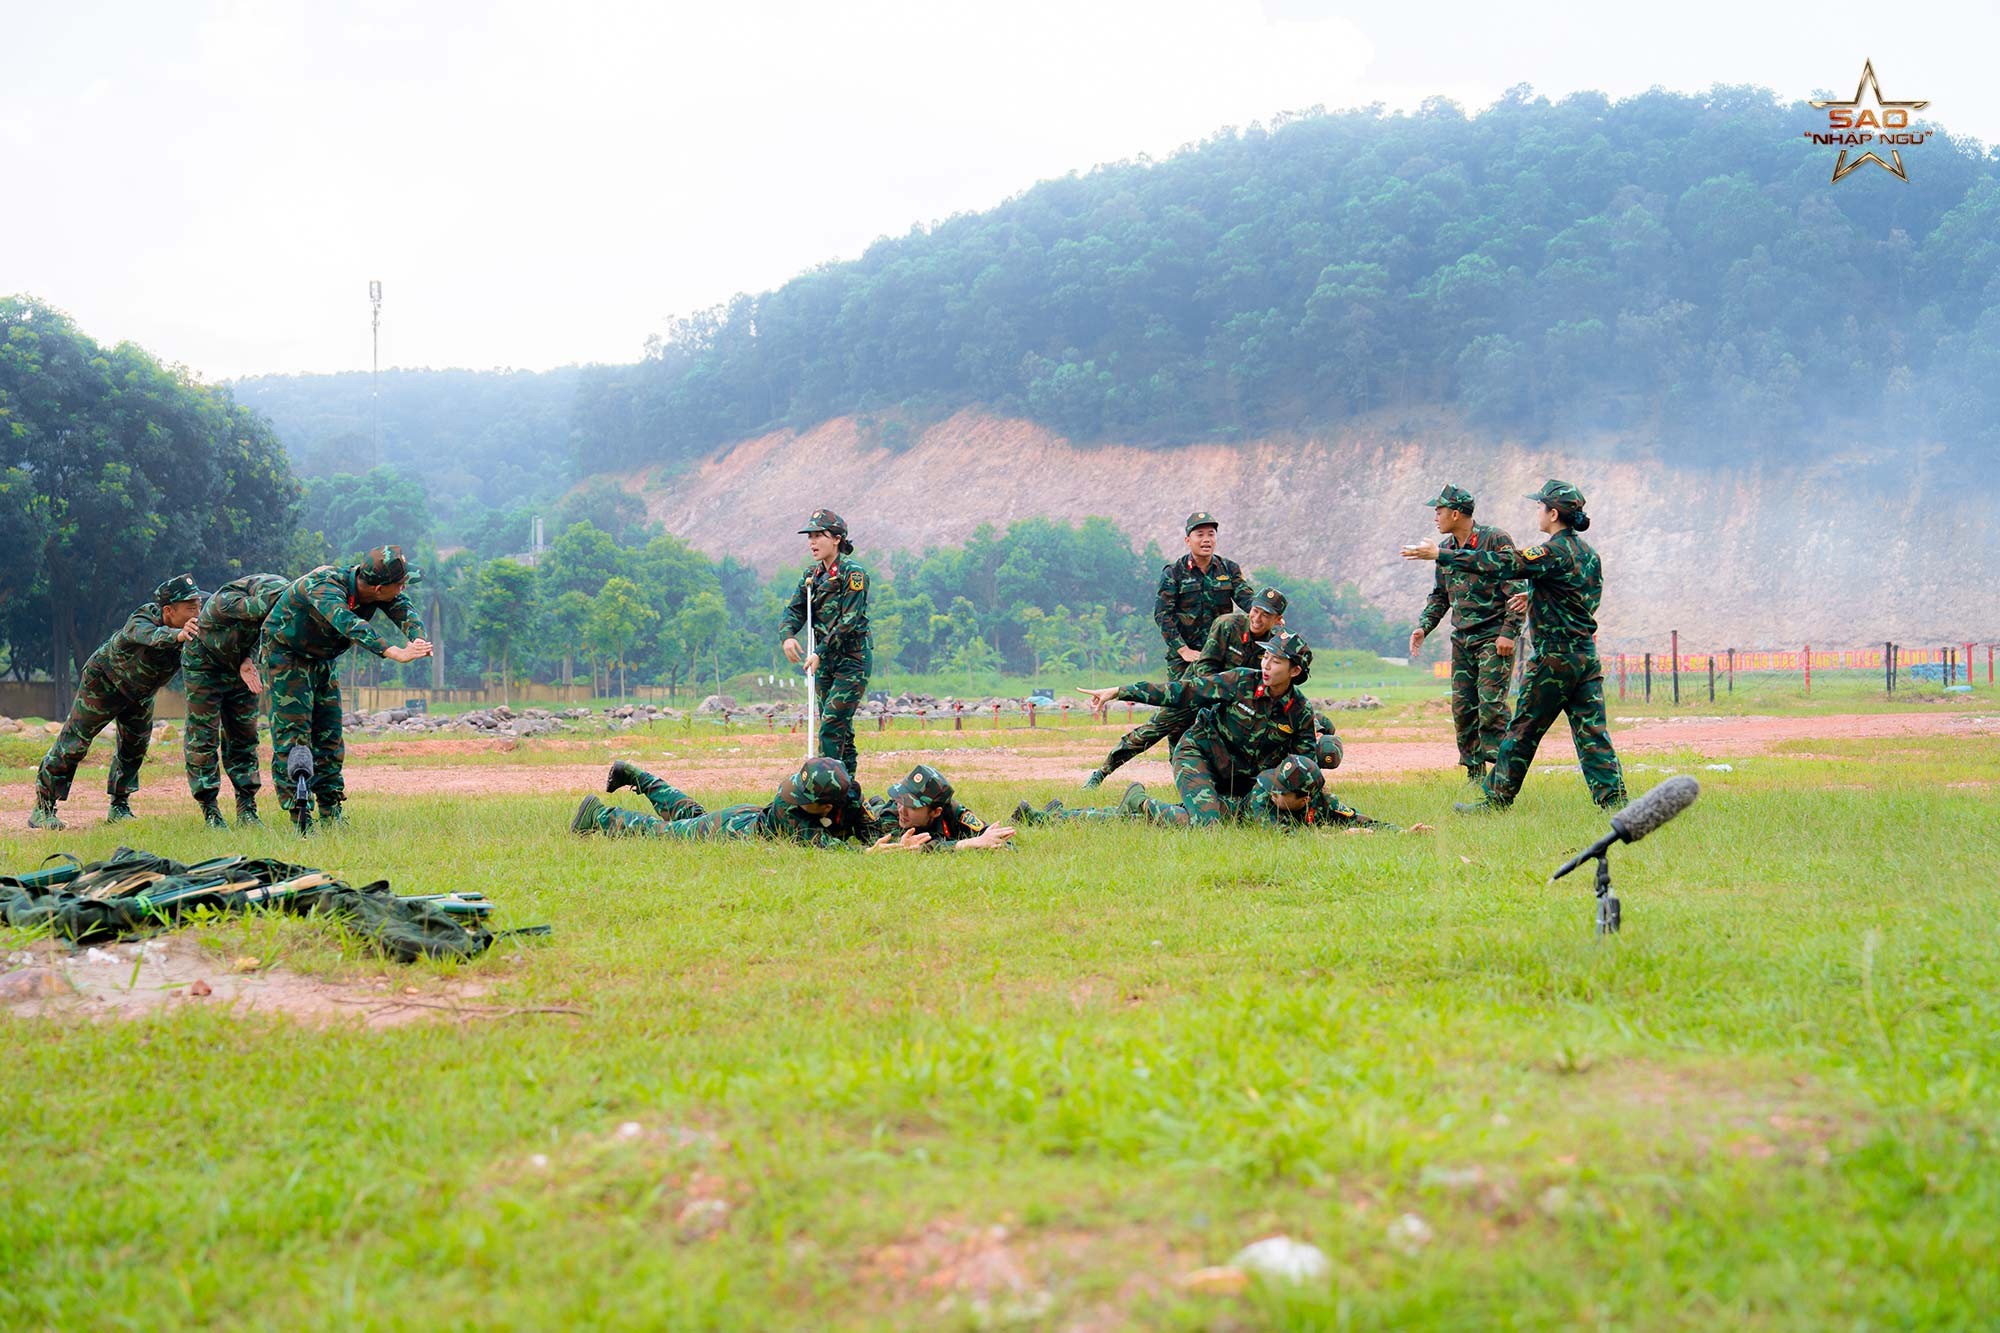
(375,374)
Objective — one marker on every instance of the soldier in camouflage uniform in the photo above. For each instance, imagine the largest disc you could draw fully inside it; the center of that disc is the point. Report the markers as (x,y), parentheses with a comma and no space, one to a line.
(924,803)
(1294,795)
(1483,631)
(1194,592)
(1567,582)
(219,672)
(1245,722)
(818,806)
(838,590)
(118,683)
(316,619)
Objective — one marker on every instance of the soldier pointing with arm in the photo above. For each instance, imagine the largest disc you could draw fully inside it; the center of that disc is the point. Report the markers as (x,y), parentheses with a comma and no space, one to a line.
(1483,633)
(318,618)
(1567,582)
(836,586)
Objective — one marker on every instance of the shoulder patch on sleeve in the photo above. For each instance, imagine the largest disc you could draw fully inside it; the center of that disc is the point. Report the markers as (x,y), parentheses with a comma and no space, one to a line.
(857,581)
(1534,553)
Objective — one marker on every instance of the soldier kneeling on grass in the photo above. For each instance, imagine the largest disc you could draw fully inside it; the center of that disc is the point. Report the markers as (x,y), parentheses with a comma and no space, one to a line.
(818,806)
(924,803)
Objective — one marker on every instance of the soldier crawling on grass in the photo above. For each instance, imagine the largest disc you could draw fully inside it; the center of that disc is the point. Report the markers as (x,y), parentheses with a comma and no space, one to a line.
(819,806)
(117,686)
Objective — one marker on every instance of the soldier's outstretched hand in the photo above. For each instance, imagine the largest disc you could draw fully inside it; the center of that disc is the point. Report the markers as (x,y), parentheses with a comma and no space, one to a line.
(1416,641)
(410,651)
(1421,551)
(997,835)
(1099,699)
(1517,605)
(251,680)
(793,652)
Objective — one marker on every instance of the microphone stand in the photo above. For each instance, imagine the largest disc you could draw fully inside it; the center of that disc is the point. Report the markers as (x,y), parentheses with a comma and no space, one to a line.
(1607,902)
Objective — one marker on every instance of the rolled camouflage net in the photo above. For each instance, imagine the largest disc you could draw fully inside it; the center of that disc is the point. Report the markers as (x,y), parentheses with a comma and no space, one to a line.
(135,893)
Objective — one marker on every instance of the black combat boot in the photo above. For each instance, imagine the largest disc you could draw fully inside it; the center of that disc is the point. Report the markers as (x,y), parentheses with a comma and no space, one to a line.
(210,815)
(45,816)
(246,810)
(624,773)
(1095,780)
(330,813)
(121,810)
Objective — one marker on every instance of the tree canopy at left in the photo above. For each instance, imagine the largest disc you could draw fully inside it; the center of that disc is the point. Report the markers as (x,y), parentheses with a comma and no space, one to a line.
(117,472)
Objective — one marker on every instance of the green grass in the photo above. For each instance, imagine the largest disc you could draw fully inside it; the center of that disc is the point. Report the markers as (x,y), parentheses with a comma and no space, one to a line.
(1770,1103)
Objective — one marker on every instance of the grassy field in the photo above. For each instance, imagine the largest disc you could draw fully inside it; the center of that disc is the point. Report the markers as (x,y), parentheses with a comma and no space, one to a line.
(1038,1088)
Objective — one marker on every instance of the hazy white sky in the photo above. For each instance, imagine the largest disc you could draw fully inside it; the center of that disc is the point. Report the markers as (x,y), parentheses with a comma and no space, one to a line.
(543,183)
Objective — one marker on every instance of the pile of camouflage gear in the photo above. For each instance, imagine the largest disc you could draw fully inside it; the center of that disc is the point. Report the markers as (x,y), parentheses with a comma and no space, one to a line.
(136,893)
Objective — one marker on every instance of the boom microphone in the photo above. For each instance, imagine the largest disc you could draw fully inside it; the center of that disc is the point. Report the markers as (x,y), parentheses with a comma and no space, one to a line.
(299,763)
(1638,819)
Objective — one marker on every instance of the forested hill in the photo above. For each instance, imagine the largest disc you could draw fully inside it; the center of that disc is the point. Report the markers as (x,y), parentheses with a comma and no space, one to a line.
(1672,270)
(480,441)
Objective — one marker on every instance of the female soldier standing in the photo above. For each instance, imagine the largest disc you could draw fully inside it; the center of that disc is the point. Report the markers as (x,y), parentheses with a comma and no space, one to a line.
(838,590)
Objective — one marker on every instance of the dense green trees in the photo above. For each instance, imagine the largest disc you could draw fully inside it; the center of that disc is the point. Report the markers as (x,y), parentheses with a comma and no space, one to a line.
(115,473)
(1675,268)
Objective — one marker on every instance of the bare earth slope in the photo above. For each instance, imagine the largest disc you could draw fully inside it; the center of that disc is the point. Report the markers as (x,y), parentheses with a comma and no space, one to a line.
(1753,556)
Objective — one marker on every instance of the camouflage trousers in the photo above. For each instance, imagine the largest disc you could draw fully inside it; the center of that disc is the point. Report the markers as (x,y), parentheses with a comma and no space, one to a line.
(1479,680)
(843,684)
(678,815)
(1208,784)
(221,725)
(305,710)
(1559,681)
(98,704)
(1168,724)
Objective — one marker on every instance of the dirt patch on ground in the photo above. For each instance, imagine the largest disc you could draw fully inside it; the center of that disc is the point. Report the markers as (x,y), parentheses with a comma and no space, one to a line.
(132,980)
(759,760)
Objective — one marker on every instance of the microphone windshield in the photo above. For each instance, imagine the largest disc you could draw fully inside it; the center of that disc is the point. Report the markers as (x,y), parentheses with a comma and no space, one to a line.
(1655,808)
(299,762)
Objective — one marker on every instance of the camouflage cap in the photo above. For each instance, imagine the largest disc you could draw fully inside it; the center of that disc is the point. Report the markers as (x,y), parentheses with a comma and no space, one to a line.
(1329,750)
(1289,646)
(819,781)
(1268,600)
(383,565)
(825,520)
(1452,497)
(179,588)
(1559,494)
(1294,775)
(1201,518)
(924,789)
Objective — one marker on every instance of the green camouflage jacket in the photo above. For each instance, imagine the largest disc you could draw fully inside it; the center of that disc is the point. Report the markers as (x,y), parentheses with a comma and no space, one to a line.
(1189,600)
(839,611)
(321,614)
(953,825)
(1476,600)
(1566,579)
(231,620)
(1229,646)
(1251,730)
(1323,810)
(140,657)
